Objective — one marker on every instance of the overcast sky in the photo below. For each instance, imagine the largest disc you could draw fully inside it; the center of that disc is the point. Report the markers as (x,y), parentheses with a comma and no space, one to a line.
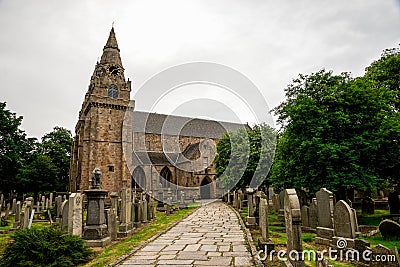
(48,49)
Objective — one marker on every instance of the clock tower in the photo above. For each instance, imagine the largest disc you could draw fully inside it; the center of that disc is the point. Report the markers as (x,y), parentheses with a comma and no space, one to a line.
(98,133)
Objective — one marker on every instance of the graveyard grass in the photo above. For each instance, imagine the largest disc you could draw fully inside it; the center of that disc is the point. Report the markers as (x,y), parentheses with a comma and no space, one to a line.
(111,253)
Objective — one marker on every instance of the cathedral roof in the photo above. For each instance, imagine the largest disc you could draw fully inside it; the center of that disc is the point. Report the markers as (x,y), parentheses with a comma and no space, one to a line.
(146,122)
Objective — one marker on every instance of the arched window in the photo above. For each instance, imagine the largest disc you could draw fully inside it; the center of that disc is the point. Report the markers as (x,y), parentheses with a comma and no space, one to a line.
(138,179)
(113,91)
(165,177)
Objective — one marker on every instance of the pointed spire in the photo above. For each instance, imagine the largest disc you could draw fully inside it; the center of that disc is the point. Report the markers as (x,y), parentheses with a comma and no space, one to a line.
(111,50)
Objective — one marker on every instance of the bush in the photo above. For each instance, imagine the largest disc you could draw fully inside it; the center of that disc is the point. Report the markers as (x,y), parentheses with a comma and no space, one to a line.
(3,222)
(45,246)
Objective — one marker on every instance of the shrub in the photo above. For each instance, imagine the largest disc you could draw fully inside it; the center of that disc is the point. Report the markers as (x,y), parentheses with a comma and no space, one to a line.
(45,246)
(3,222)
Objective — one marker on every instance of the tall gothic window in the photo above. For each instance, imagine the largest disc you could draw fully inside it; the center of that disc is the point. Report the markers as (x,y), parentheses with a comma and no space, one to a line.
(113,91)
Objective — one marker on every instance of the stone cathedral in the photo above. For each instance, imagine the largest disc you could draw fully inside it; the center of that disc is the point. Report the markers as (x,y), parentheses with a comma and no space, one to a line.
(166,153)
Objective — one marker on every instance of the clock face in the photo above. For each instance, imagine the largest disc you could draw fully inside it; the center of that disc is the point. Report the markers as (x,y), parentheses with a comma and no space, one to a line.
(113,70)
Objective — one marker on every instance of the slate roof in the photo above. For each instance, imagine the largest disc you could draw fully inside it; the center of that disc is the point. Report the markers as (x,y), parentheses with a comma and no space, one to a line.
(157,158)
(183,126)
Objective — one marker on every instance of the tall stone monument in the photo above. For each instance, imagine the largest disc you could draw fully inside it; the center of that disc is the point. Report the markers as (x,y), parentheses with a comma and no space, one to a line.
(325,230)
(95,232)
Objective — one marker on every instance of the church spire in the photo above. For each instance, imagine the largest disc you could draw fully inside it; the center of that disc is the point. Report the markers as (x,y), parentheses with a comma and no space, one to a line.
(111,51)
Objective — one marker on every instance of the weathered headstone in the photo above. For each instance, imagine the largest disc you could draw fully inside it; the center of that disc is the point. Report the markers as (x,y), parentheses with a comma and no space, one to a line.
(64,215)
(51,200)
(17,220)
(264,242)
(75,214)
(281,212)
(14,206)
(126,226)
(112,223)
(325,230)
(345,226)
(144,210)
(394,202)
(27,213)
(389,228)
(305,216)
(1,200)
(293,228)
(7,212)
(313,214)
(250,219)
(43,203)
(275,203)
(58,206)
(368,206)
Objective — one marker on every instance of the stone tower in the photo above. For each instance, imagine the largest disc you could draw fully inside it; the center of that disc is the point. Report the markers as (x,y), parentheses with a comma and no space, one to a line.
(98,133)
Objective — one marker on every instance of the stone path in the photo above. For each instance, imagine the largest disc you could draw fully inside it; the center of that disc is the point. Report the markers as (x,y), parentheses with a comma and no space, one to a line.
(211,236)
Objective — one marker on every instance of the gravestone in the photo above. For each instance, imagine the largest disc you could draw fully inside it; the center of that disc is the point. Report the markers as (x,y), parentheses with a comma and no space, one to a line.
(250,219)
(1,200)
(325,230)
(275,203)
(240,200)
(144,210)
(43,203)
(345,226)
(133,213)
(75,214)
(313,214)
(64,216)
(368,206)
(95,231)
(394,202)
(27,213)
(281,212)
(112,223)
(58,206)
(305,216)
(7,212)
(126,226)
(293,228)
(264,242)
(14,206)
(381,252)
(17,220)
(51,200)
(389,229)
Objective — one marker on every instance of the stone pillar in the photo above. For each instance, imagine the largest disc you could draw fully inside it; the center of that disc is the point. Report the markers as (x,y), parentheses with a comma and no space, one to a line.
(293,228)
(51,200)
(75,214)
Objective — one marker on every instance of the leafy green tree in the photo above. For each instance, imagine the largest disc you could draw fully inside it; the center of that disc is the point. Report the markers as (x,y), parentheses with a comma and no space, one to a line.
(244,157)
(334,128)
(14,147)
(37,175)
(57,146)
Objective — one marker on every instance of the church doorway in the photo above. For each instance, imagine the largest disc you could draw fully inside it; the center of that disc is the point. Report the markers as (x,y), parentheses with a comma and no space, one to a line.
(165,177)
(138,179)
(205,188)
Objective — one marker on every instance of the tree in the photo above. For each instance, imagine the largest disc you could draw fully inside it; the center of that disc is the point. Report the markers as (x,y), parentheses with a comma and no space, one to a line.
(14,147)
(37,175)
(333,129)
(57,146)
(244,157)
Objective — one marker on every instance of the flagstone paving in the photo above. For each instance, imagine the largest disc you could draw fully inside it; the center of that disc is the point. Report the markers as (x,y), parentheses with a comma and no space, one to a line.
(211,236)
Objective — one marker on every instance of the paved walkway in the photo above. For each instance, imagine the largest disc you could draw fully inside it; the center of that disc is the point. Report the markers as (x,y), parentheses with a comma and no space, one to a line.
(211,236)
